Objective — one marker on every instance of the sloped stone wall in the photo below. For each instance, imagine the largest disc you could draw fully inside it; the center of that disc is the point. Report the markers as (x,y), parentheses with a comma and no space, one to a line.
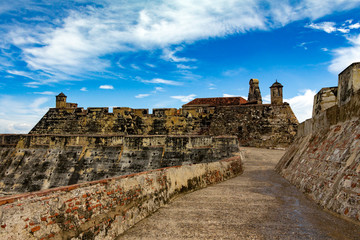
(324,160)
(34,162)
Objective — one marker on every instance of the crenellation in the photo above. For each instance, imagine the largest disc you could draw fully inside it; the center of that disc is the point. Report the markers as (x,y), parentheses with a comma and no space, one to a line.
(324,99)
(349,83)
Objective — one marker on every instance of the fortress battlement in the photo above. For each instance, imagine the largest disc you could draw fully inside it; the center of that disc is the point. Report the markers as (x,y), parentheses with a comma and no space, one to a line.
(254,123)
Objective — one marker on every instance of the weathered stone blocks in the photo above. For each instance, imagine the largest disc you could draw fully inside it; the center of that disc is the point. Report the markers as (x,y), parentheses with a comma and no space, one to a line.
(34,162)
(106,208)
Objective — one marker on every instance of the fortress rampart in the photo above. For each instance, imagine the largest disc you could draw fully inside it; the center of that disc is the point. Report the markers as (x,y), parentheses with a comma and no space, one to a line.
(34,162)
(324,160)
(255,124)
(106,208)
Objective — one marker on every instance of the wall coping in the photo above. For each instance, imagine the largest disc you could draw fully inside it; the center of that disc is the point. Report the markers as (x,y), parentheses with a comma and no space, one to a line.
(13,198)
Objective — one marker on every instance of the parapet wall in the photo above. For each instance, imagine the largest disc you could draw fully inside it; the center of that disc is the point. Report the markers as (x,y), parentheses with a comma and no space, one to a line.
(34,162)
(324,160)
(104,209)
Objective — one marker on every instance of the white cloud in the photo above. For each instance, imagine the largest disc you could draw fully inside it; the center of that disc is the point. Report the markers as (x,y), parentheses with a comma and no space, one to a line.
(21,73)
(158,89)
(169,55)
(328,27)
(109,87)
(355,26)
(84,89)
(331,27)
(182,66)
(151,65)
(78,42)
(162,81)
(19,116)
(184,99)
(302,104)
(45,93)
(134,66)
(266,99)
(303,45)
(228,95)
(325,49)
(142,95)
(343,57)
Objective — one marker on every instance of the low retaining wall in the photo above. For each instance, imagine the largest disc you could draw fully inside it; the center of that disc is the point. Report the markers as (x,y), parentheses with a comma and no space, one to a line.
(106,208)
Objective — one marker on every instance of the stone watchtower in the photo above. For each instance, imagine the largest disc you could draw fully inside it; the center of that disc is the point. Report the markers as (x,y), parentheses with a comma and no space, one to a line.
(61,100)
(276,93)
(254,92)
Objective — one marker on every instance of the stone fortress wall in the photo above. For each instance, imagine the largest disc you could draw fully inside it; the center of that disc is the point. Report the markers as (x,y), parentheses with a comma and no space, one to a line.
(36,162)
(105,208)
(86,151)
(324,160)
(254,123)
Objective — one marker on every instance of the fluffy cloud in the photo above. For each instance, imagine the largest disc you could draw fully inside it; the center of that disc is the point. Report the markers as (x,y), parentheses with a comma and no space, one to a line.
(343,57)
(185,99)
(302,104)
(328,27)
(228,95)
(77,40)
(107,87)
(19,116)
(83,89)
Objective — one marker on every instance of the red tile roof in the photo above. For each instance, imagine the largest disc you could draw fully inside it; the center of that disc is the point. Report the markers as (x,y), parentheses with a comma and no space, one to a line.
(219,101)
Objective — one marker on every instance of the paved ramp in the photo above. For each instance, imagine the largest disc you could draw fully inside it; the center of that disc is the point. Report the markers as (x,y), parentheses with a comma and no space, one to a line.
(259,204)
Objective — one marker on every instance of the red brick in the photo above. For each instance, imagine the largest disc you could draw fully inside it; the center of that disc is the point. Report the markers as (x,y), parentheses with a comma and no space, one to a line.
(43,219)
(34,229)
(3,226)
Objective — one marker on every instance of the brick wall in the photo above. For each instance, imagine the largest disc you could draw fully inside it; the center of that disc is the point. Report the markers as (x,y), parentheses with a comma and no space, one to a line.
(104,209)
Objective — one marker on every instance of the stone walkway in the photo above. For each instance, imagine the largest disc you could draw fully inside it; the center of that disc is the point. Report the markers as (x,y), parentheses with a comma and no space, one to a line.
(259,204)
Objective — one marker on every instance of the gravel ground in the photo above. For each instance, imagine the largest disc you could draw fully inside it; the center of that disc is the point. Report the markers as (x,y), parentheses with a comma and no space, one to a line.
(259,204)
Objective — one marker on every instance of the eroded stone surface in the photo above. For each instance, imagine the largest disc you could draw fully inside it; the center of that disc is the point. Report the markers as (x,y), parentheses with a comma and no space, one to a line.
(104,209)
(34,162)
(324,160)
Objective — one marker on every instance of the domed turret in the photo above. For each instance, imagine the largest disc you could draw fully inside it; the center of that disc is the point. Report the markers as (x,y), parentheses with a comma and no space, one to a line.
(61,100)
(276,93)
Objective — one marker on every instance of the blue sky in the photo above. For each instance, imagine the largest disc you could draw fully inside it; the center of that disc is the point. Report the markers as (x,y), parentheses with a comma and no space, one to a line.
(151,54)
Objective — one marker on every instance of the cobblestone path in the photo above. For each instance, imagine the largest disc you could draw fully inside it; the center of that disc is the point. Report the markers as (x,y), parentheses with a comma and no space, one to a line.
(259,204)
